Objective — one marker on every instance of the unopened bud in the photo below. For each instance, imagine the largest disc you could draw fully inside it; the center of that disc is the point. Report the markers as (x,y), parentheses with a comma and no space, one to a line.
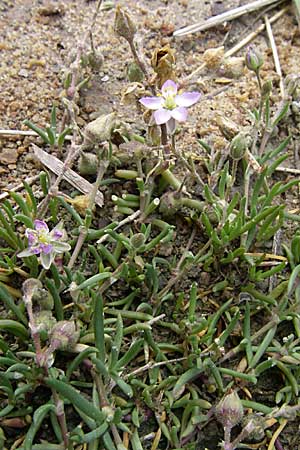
(291,83)
(87,164)
(92,59)
(124,26)
(239,145)
(134,72)
(108,412)
(100,130)
(137,240)
(29,288)
(81,203)
(44,322)
(229,411)
(42,299)
(255,426)
(63,335)
(253,59)
(266,88)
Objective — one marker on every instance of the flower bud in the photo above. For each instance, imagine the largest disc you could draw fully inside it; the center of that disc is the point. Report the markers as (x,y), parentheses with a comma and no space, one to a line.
(44,322)
(253,59)
(80,203)
(163,63)
(29,288)
(87,164)
(63,335)
(255,426)
(291,83)
(124,26)
(239,145)
(229,411)
(266,88)
(43,299)
(92,59)
(100,130)
(108,412)
(137,240)
(168,205)
(134,72)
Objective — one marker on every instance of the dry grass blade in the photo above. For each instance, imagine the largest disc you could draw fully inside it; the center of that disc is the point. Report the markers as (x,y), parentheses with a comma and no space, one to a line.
(296,4)
(242,43)
(275,54)
(69,175)
(226,16)
(8,133)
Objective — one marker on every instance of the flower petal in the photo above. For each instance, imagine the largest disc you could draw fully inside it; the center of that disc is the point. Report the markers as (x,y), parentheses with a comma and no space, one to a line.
(24,253)
(46,248)
(169,88)
(32,236)
(47,259)
(56,234)
(179,114)
(61,247)
(40,225)
(171,126)
(162,116)
(35,249)
(187,98)
(152,102)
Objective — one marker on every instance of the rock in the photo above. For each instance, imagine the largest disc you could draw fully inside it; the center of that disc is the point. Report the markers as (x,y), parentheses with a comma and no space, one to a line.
(8,156)
(100,129)
(51,9)
(23,73)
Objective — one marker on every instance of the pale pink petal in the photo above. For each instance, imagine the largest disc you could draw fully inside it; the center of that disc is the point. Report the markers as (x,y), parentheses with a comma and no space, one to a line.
(56,234)
(61,247)
(35,250)
(162,116)
(40,225)
(25,253)
(187,98)
(169,88)
(46,248)
(179,114)
(152,102)
(171,126)
(32,236)
(47,259)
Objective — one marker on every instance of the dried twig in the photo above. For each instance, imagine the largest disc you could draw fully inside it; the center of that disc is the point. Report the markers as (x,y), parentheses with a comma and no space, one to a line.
(296,4)
(127,219)
(275,54)
(56,166)
(242,43)
(226,16)
(20,186)
(288,170)
(255,33)
(8,133)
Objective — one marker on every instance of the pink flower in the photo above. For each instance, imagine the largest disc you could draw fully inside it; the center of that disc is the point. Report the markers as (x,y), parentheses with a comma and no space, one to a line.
(45,243)
(170,106)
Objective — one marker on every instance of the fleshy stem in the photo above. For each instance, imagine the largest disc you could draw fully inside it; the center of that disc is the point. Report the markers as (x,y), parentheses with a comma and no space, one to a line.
(188,163)
(180,272)
(70,112)
(164,134)
(137,59)
(84,230)
(53,190)
(41,360)
(104,402)
(76,64)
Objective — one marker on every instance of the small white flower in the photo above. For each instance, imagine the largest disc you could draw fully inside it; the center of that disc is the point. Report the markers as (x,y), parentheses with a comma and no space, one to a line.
(170,106)
(45,243)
